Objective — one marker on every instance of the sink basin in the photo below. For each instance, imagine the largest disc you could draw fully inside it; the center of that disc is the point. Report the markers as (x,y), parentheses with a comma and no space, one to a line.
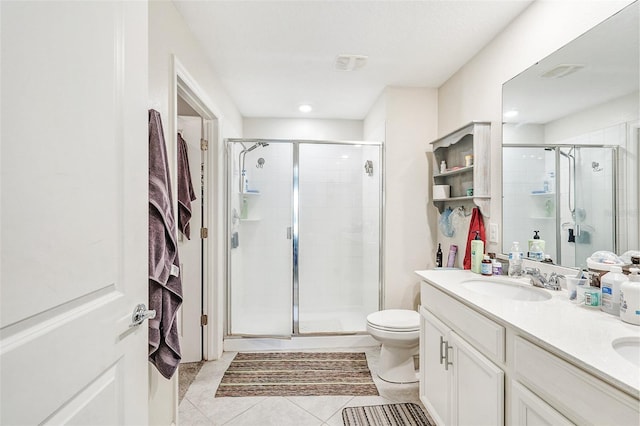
(507,290)
(628,348)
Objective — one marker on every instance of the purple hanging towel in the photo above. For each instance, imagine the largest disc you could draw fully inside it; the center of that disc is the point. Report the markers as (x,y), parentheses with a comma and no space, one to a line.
(185,188)
(165,286)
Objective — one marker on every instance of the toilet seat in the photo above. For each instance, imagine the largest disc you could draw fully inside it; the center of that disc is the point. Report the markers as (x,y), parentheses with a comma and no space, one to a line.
(397,320)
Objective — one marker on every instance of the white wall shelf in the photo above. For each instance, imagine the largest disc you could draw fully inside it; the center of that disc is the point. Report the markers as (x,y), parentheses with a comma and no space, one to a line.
(472,139)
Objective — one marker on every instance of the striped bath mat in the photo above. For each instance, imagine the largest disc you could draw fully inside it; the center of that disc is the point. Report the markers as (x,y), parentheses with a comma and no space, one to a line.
(297,374)
(405,414)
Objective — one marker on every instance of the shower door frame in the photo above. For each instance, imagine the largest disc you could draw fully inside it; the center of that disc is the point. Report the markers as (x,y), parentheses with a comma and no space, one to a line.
(558,181)
(295,284)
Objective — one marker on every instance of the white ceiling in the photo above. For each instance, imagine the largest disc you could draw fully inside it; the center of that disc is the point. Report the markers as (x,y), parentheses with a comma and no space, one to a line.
(273,56)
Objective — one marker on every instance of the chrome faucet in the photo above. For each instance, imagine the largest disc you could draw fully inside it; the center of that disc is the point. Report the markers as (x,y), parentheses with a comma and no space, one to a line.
(539,279)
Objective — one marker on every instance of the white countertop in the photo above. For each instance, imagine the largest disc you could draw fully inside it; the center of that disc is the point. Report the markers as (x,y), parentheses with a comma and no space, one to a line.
(580,335)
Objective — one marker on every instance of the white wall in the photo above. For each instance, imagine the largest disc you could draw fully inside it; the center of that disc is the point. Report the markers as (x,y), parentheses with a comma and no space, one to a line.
(303,128)
(406,118)
(475,91)
(168,35)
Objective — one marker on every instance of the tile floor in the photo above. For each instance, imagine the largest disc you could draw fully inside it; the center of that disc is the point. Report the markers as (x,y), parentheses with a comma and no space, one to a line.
(199,407)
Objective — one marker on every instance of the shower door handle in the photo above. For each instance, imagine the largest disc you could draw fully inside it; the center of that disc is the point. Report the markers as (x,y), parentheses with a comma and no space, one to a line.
(289,233)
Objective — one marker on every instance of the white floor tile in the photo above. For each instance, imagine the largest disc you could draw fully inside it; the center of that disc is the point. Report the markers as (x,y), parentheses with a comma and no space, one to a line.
(323,407)
(275,411)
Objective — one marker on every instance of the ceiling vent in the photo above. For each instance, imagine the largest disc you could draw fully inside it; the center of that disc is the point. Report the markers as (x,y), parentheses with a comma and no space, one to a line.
(350,62)
(562,70)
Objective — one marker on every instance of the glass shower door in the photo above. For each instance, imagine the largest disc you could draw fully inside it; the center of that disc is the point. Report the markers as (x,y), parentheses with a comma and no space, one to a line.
(260,265)
(339,217)
(595,201)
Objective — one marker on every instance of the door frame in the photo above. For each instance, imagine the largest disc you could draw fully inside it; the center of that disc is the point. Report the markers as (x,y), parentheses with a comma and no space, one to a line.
(213,255)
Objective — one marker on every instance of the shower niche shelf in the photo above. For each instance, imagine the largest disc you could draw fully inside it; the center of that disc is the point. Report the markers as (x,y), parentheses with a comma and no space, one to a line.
(473,139)
(249,207)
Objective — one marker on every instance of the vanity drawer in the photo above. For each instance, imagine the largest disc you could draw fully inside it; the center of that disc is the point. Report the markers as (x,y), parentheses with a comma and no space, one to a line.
(486,335)
(580,396)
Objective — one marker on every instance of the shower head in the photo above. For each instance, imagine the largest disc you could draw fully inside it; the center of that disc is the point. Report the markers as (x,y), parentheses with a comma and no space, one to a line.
(255,145)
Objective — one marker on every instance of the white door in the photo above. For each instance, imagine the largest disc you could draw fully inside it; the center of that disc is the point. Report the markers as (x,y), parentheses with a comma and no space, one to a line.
(191,249)
(434,378)
(74,212)
(477,386)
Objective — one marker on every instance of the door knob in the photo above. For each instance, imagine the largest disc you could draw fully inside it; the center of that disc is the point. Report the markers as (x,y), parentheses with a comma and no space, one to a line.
(141,313)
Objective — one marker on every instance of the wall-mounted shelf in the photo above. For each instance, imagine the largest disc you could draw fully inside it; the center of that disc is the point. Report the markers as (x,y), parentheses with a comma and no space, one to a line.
(473,139)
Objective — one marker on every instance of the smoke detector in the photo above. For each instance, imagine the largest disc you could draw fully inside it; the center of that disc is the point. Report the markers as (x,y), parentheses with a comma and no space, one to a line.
(562,70)
(350,62)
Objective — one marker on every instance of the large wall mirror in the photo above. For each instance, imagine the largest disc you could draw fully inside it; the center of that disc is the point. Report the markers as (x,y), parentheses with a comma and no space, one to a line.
(571,143)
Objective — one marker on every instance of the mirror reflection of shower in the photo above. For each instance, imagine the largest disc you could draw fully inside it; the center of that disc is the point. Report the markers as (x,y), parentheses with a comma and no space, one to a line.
(241,157)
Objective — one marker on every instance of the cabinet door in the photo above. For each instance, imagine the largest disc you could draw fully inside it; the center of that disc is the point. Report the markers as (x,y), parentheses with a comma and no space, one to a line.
(529,410)
(477,386)
(434,379)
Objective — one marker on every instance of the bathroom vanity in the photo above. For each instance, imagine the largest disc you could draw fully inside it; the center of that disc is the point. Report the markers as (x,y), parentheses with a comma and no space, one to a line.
(494,350)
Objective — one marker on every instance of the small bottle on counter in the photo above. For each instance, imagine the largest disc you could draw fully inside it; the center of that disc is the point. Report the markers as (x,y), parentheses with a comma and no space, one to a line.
(486,267)
(439,257)
(496,267)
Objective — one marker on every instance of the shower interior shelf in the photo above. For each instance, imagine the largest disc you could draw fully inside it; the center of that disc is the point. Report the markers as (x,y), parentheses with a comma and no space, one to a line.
(249,208)
(473,139)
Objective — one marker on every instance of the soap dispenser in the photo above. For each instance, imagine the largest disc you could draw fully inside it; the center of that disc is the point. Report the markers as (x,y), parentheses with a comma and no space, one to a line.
(538,251)
(477,253)
(630,298)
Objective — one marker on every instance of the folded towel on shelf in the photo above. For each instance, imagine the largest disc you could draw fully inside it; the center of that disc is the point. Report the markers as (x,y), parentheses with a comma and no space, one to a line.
(186,193)
(165,286)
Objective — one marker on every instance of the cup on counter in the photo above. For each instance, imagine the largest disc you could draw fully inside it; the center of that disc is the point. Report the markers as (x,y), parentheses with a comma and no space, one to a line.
(572,286)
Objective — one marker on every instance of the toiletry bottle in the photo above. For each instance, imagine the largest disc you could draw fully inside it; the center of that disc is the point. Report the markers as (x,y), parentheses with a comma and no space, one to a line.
(536,252)
(610,289)
(630,298)
(453,249)
(477,253)
(515,260)
(496,267)
(439,257)
(443,166)
(541,244)
(486,267)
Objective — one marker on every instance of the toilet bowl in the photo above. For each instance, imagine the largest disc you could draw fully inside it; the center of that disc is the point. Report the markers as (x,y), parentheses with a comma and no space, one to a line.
(399,332)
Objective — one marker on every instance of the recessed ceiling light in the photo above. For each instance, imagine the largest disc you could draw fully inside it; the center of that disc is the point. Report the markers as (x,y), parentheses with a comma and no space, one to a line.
(305,108)
(562,70)
(511,113)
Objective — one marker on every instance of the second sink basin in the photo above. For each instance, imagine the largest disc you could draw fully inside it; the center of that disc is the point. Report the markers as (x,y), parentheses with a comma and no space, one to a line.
(507,290)
(628,348)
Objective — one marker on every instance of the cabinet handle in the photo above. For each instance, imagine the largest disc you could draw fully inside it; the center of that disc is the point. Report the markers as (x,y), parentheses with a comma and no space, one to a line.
(446,356)
(442,343)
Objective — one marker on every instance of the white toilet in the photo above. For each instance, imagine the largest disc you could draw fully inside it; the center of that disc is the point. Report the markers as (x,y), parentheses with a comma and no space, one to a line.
(399,332)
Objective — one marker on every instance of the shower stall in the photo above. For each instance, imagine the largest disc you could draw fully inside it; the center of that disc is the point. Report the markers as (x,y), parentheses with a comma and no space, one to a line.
(567,192)
(304,237)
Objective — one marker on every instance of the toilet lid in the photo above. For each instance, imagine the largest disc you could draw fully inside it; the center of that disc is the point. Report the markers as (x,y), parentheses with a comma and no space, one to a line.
(395,319)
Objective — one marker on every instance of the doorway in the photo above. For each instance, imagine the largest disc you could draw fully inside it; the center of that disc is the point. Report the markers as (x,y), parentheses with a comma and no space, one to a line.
(198,127)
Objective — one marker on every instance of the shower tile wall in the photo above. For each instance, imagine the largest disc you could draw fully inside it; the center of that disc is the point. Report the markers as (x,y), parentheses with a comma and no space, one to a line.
(594,191)
(336,261)
(525,170)
(338,240)
(261,265)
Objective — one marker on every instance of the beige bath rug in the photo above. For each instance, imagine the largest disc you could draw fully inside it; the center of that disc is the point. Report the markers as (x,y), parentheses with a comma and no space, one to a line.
(297,374)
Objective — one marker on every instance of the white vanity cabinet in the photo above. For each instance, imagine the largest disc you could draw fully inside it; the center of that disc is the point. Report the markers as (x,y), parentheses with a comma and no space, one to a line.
(458,384)
(485,362)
